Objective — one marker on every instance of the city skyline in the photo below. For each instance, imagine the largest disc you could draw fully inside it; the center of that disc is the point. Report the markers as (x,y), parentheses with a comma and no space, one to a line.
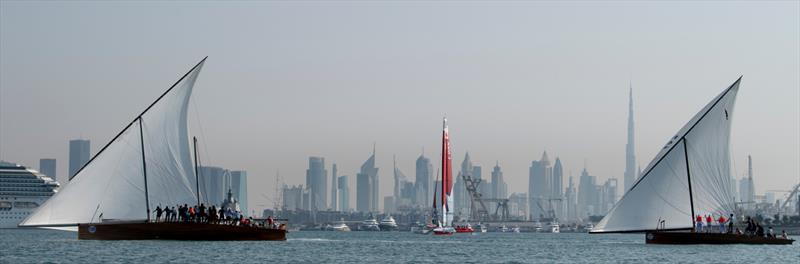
(543,83)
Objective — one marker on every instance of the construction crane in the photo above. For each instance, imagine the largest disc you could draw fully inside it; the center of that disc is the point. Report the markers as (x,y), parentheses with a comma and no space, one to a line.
(551,213)
(478,209)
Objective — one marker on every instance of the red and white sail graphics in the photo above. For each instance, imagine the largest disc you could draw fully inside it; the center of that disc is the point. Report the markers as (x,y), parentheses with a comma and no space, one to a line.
(447,176)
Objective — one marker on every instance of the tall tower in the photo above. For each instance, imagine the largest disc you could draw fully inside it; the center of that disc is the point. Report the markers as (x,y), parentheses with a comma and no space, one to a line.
(78,155)
(334,188)
(751,190)
(630,156)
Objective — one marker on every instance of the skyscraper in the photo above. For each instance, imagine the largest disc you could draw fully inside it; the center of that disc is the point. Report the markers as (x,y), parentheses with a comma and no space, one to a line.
(334,188)
(630,150)
(747,190)
(344,194)
(422,183)
(587,195)
(48,167)
(212,184)
(557,191)
(317,182)
(461,198)
(499,186)
(292,198)
(571,201)
(367,186)
(78,155)
(540,186)
(239,189)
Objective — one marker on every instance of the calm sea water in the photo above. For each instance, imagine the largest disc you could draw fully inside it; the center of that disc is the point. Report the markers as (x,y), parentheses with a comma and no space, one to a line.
(50,246)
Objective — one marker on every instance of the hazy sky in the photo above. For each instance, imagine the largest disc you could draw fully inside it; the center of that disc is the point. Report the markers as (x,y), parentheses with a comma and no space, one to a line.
(287,80)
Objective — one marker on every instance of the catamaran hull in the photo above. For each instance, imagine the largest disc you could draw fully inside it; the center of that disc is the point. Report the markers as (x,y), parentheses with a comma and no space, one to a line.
(684,238)
(175,231)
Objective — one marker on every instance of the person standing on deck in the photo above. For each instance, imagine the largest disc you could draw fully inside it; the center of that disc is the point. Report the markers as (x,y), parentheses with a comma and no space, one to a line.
(698,221)
(708,222)
(721,221)
(731,220)
(159,211)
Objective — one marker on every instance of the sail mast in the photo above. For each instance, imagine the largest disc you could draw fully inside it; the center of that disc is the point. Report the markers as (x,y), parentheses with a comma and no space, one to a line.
(144,170)
(196,170)
(689,177)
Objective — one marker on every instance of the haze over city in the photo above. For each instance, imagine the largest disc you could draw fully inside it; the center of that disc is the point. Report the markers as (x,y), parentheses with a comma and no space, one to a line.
(285,81)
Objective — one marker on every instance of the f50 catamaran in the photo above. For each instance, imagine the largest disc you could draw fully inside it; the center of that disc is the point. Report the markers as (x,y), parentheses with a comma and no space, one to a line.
(148,163)
(445,225)
(690,176)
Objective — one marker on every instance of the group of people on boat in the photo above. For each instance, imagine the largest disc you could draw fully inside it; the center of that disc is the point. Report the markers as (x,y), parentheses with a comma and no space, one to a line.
(209,215)
(726,226)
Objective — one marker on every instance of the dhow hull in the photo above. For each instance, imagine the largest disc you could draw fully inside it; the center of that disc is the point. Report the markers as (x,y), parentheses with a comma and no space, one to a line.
(175,231)
(685,238)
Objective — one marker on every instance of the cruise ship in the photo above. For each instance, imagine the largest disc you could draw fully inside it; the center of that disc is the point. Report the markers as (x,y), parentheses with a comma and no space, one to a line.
(22,190)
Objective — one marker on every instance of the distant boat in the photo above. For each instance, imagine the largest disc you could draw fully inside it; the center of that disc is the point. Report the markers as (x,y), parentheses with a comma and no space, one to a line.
(388,223)
(340,226)
(148,163)
(369,225)
(689,176)
(464,228)
(554,227)
(445,224)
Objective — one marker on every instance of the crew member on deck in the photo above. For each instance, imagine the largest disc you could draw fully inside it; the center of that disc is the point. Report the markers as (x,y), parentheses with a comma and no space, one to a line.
(731,220)
(699,223)
(708,221)
(159,211)
(721,221)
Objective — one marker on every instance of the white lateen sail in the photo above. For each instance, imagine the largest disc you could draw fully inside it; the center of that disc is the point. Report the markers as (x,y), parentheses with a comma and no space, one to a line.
(112,184)
(689,176)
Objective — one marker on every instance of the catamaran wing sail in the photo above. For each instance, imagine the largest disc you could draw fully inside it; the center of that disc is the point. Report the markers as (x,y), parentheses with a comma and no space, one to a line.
(690,175)
(447,177)
(113,183)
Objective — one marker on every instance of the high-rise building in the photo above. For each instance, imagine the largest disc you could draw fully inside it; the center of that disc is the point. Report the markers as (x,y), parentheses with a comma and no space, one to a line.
(587,195)
(213,182)
(630,150)
(571,201)
(423,182)
(461,198)
(317,182)
(747,190)
(367,186)
(79,152)
(48,167)
(518,205)
(539,187)
(239,189)
(608,196)
(334,188)
(557,190)
(292,198)
(344,194)
(499,186)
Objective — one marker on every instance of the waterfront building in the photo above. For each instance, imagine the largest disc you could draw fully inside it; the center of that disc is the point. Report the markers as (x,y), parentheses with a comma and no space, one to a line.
(571,201)
(630,150)
(48,167)
(461,198)
(367,186)
(344,193)
(518,206)
(539,187)
(316,182)
(239,189)
(608,196)
(587,195)
(213,182)
(747,190)
(499,186)
(79,152)
(334,189)
(557,188)
(292,198)
(423,181)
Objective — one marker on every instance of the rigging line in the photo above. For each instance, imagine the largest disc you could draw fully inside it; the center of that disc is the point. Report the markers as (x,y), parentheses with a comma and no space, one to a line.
(200,126)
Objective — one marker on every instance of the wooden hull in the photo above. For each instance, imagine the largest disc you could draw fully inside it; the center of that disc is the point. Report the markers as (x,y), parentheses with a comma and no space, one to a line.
(711,238)
(175,231)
